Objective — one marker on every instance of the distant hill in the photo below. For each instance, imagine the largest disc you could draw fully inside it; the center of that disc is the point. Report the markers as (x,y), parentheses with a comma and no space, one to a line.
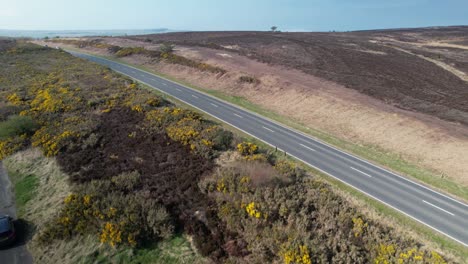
(419,69)
(78,33)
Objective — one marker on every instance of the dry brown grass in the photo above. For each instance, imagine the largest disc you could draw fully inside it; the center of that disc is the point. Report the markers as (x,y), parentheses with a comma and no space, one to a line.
(66,251)
(421,139)
(52,188)
(51,191)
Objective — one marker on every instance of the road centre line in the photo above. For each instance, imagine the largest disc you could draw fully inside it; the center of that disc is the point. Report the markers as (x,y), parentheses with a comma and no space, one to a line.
(268,129)
(435,206)
(361,172)
(308,147)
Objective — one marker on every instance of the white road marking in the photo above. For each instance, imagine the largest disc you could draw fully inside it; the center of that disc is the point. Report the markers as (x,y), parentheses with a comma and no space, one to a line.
(214,105)
(238,115)
(178,89)
(142,75)
(443,210)
(194,96)
(307,147)
(361,172)
(329,174)
(268,129)
(165,84)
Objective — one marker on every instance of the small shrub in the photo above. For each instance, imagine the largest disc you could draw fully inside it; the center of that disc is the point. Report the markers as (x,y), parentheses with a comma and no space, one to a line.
(166,48)
(8,110)
(16,126)
(114,49)
(298,255)
(247,148)
(11,145)
(126,181)
(249,79)
(123,52)
(222,139)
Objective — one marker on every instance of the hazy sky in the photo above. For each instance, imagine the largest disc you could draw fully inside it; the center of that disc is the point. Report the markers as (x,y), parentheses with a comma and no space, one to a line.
(310,15)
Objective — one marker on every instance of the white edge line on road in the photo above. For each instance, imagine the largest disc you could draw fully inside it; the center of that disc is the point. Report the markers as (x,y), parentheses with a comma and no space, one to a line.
(307,147)
(294,130)
(435,206)
(238,115)
(305,162)
(361,172)
(268,129)
(214,105)
(285,127)
(194,96)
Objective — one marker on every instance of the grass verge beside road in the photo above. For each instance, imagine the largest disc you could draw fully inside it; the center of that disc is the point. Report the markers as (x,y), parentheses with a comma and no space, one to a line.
(25,189)
(373,208)
(372,153)
(392,161)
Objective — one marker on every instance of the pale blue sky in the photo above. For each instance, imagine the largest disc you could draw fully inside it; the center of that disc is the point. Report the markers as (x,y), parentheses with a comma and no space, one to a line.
(310,15)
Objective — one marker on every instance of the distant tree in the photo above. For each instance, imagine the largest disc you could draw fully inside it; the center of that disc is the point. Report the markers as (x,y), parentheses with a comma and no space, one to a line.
(46,37)
(166,48)
(274,28)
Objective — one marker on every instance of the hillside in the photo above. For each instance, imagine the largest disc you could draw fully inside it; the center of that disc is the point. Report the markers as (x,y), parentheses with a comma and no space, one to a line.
(120,174)
(398,95)
(376,63)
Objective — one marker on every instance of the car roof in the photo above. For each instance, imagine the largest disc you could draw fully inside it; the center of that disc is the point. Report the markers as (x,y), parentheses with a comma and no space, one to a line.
(4,224)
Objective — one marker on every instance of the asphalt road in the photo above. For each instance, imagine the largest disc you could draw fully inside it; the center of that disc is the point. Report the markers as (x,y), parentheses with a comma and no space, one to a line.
(17,253)
(431,208)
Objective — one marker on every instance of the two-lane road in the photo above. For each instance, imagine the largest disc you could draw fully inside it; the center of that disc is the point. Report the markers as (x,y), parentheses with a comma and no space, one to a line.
(431,208)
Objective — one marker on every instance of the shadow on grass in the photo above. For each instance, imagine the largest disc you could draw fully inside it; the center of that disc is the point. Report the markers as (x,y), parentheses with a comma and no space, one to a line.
(24,232)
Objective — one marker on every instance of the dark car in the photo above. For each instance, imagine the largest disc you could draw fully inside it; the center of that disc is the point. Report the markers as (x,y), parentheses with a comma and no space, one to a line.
(7,231)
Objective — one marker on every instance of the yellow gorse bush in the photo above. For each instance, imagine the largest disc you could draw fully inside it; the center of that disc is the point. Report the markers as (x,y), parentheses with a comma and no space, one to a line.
(388,254)
(183,126)
(247,148)
(54,99)
(15,99)
(183,133)
(359,226)
(252,210)
(385,254)
(111,234)
(51,144)
(299,255)
(11,145)
(256,157)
